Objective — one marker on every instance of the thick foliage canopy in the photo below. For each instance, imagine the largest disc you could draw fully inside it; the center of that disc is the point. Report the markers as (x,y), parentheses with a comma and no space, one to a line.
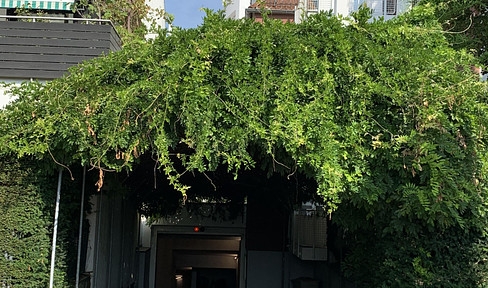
(464,22)
(386,117)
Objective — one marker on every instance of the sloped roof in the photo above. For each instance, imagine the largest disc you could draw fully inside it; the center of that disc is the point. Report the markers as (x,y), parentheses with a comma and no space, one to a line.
(276,4)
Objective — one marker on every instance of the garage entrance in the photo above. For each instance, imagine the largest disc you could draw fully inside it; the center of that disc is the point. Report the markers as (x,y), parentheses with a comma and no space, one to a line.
(197,261)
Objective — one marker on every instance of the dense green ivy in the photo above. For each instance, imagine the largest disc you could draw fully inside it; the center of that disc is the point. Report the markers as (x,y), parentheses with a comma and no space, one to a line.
(26,228)
(450,258)
(387,118)
(464,22)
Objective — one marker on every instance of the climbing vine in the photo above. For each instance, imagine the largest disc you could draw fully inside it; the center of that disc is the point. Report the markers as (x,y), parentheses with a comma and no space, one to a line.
(27,199)
(384,116)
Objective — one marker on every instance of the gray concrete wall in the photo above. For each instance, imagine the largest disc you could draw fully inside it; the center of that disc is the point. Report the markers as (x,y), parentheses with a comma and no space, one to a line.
(268,269)
(264,269)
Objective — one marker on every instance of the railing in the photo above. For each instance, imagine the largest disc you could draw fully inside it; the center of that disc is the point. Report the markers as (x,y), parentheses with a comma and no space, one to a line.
(47,19)
(45,47)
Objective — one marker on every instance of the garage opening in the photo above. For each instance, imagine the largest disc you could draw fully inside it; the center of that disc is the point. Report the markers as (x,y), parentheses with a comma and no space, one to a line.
(188,261)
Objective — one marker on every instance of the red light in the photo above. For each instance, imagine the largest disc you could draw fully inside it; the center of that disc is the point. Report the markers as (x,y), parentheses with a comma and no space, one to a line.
(196,229)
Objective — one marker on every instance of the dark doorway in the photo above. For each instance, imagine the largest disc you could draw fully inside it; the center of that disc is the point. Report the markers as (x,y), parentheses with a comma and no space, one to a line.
(186,261)
(206,278)
(216,278)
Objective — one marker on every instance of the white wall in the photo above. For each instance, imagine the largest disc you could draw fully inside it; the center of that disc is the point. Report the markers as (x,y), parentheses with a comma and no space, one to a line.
(326,5)
(155,5)
(236,9)
(5,97)
(343,7)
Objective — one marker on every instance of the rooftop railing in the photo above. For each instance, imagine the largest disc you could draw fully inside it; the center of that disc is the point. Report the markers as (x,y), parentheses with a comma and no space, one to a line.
(45,47)
(51,19)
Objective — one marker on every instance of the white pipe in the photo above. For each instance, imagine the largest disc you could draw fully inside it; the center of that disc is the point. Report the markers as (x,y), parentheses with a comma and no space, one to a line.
(80,230)
(56,214)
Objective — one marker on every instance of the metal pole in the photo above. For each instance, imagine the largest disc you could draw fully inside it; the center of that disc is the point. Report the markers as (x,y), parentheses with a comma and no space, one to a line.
(80,231)
(56,214)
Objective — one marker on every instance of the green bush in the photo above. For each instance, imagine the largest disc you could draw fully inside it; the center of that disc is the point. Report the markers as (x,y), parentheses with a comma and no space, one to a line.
(448,259)
(26,229)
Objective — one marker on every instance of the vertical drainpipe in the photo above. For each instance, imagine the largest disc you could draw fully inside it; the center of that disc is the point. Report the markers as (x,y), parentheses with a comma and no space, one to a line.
(80,230)
(56,214)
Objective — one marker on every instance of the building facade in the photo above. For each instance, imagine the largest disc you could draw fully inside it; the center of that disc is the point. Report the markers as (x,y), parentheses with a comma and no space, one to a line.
(44,47)
(298,10)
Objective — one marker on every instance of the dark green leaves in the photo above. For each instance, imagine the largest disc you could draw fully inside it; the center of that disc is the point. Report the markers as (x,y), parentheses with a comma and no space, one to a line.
(386,117)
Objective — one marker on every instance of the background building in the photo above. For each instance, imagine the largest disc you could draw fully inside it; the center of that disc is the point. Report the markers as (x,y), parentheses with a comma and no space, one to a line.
(297,10)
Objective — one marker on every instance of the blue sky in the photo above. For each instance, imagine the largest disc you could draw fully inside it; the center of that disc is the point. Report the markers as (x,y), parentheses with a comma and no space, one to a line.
(187,12)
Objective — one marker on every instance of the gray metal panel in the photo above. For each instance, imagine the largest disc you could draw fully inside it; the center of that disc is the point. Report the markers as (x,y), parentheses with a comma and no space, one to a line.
(43,58)
(47,50)
(54,42)
(115,40)
(24,25)
(28,74)
(61,51)
(72,35)
(22,65)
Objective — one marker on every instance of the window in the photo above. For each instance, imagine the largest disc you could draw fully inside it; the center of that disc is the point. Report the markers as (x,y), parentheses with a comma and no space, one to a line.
(379,7)
(312,4)
(391,7)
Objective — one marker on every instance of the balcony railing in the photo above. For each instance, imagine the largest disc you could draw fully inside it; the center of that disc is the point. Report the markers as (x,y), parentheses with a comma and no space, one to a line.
(45,47)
